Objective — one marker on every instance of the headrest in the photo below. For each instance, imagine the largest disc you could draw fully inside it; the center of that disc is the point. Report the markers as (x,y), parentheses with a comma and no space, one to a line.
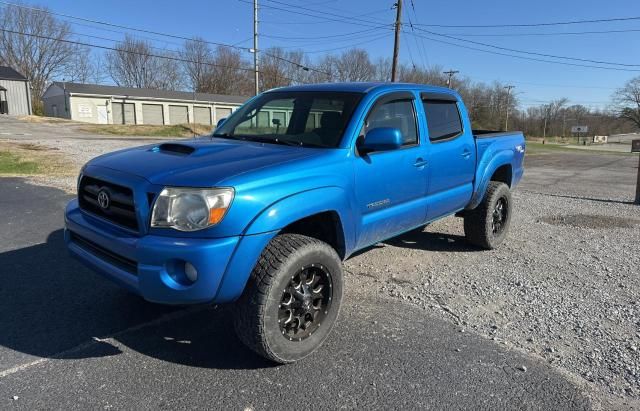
(330,119)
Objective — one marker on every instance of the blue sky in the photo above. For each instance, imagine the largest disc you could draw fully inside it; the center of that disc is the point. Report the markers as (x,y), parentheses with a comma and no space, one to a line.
(230,21)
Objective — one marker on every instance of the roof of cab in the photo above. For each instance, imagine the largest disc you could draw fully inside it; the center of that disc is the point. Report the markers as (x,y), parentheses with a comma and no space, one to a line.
(361,87)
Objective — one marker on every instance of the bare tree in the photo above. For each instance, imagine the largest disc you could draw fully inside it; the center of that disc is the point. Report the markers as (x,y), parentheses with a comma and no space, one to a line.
(353,65)
(627,101)
(382,69)
(197,67)
(84,67)
(282,68)
(229,73)
(325,69)
(42,54)
(432,75)
(135,63)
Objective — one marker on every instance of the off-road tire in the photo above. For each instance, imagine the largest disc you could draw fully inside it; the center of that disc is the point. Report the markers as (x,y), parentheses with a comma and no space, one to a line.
(257,311)
(479,222)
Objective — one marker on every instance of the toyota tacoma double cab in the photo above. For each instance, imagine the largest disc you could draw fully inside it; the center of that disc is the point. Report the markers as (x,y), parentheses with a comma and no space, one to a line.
(263,211)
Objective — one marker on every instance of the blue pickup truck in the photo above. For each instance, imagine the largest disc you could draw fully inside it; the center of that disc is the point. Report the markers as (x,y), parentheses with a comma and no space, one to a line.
(263,211)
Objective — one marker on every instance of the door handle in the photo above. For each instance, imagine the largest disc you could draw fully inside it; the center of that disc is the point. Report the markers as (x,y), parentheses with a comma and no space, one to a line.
(466,154)
(420,162)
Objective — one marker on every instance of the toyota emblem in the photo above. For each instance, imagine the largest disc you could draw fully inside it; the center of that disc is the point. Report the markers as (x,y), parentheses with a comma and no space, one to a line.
(104,200)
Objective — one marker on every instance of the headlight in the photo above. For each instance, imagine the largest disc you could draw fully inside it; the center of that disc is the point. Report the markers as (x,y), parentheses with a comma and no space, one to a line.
(190,209)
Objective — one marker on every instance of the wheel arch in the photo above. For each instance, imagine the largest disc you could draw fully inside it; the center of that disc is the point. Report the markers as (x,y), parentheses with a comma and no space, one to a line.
(500,168)
(320,213)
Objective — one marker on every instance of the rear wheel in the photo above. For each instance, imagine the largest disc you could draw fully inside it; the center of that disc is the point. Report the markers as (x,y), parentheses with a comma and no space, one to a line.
(487,225)
(292,299)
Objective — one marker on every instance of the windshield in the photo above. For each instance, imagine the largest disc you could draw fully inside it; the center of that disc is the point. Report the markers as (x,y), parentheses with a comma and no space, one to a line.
(307,118)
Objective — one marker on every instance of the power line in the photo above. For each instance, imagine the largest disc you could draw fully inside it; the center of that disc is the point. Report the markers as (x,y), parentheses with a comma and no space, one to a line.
(322,37)
(306,44)
(528,52)
(167,57)
(524,57)
(559,23)
(339,48)
(322,20)
(566,33)
(348,19)
(498,47)
(546,85)
(343,19)
(415,39)
(156,33)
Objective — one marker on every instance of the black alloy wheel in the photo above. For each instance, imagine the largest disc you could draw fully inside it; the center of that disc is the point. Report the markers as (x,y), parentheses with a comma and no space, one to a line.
(292,298)
(305,302)
(499,216)
(487,225)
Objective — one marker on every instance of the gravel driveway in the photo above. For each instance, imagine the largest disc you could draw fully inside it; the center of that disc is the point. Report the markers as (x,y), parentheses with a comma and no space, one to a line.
(565,285)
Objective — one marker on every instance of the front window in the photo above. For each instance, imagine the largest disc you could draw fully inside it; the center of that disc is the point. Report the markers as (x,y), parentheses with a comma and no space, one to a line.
(307,118)
(396,114)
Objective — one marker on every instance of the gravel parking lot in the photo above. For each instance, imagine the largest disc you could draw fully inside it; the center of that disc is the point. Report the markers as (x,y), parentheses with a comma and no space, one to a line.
(564,287)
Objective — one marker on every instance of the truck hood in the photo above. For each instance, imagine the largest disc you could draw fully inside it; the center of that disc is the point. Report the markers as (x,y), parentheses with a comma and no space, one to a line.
(202,162)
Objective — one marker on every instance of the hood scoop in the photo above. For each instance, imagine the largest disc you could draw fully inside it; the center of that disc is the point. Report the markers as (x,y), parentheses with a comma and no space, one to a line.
(174,148)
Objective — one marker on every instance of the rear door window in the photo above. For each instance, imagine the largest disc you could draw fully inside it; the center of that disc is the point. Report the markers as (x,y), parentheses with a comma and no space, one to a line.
(443,119)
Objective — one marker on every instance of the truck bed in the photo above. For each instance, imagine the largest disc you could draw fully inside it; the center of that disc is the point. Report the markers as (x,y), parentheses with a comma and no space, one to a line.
(492,133)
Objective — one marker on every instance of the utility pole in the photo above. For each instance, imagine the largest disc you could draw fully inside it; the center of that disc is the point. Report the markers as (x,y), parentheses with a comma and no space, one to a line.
(450,73)
(506,119)
(396,43)
(256,74)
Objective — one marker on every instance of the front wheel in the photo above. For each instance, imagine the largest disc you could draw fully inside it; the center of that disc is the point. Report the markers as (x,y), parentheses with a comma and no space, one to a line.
(292,299)
(487,225)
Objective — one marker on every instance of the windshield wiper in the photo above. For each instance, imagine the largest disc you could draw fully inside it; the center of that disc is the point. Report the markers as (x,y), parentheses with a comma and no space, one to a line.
(225,135)
(275,141)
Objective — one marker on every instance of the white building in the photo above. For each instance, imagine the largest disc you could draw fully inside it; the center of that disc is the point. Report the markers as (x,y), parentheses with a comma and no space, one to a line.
(15,93)
(99,104)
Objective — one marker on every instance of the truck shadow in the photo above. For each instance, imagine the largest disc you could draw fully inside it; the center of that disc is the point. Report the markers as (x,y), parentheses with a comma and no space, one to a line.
(53,307)
(431,241)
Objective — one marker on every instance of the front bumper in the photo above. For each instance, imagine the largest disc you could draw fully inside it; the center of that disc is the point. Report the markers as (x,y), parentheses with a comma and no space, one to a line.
(147,264)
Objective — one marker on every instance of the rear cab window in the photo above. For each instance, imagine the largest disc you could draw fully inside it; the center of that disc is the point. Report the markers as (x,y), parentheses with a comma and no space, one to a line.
(443,118)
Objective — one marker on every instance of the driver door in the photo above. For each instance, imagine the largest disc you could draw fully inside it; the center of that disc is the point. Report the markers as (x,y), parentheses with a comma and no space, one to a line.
(391,186)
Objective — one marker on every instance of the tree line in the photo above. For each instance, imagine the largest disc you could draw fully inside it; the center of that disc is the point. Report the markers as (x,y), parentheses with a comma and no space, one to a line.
(50,53)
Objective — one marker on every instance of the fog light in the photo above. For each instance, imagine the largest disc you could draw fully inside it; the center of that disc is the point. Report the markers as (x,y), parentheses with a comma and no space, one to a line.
(191,272)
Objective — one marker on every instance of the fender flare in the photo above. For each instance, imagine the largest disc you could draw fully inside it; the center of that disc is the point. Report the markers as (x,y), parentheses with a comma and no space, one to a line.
(499,159)
(270,221)
(304,204)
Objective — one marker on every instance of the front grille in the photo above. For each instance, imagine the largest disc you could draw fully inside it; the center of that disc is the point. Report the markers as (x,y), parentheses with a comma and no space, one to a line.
(121,209)
(119,261)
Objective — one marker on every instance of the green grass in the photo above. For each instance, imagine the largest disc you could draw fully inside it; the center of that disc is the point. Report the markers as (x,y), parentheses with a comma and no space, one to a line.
(539,148)
(178,130)
(13,164)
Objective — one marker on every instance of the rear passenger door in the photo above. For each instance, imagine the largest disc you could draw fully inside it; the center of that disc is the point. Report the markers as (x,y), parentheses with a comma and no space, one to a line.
(391,185)
(452,155)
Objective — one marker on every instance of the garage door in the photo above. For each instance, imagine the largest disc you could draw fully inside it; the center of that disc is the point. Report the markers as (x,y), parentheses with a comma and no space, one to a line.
(178,115)
(152,114)
(124,113)
(222,113)
(202,115)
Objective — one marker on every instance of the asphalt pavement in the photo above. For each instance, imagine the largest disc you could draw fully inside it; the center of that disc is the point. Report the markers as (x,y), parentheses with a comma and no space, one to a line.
(69,339)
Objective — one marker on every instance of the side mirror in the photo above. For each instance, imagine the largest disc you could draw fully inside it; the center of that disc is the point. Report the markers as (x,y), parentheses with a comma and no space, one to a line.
(222,120)
(382,139)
